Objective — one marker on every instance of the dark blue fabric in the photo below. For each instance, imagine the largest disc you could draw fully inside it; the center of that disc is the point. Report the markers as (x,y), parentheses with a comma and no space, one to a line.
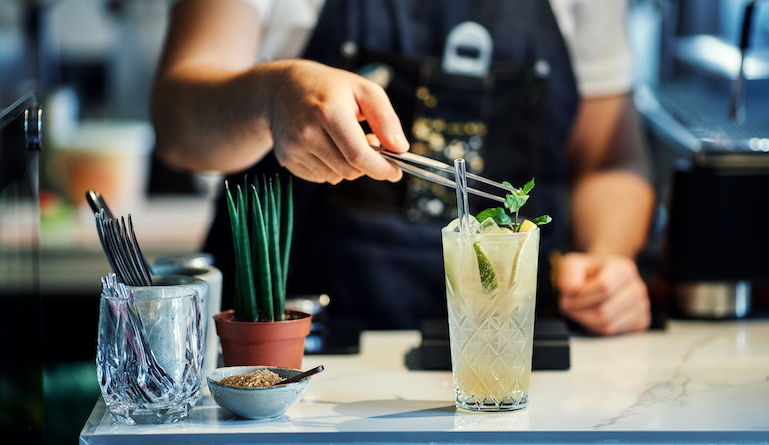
(354,241)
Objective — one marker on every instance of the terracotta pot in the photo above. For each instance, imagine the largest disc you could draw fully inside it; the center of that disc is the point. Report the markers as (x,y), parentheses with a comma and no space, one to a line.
(275,343)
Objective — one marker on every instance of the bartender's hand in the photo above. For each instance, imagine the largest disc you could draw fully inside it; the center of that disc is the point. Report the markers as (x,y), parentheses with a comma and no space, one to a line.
(314,120)
(605,294)
(216,107)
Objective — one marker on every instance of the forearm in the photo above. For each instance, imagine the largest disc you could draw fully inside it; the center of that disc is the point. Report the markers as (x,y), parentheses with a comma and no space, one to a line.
(612,201)
(215,108)
(209,119)
(611,212)
(208,103)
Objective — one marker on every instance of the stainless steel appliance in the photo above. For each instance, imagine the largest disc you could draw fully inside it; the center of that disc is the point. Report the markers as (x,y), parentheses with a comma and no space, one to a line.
(714,113)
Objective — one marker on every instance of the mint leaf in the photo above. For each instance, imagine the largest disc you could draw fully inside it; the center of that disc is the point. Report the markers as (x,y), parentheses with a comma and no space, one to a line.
(516,200)
(542,220)
(527,187)
(498,213)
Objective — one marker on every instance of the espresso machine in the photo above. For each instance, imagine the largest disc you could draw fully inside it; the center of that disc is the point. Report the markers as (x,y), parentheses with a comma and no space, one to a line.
(714,109)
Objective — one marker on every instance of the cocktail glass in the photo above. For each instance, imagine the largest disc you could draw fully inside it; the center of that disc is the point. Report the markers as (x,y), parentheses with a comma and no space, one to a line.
(491,286)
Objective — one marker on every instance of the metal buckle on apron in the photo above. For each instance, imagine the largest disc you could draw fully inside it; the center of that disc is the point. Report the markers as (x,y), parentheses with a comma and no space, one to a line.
(468,50)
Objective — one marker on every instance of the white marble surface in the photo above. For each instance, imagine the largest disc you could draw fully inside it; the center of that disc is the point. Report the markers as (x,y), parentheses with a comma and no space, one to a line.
(694,382)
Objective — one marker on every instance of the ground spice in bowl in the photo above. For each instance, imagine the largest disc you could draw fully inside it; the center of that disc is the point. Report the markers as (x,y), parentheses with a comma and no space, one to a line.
(254,379)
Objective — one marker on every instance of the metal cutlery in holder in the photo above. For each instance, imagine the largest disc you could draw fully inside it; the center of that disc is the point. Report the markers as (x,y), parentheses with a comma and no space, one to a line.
(118,239)
(149,359)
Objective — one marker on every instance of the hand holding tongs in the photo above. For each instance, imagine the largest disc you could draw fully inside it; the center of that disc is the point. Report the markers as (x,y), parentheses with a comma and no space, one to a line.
(405,162)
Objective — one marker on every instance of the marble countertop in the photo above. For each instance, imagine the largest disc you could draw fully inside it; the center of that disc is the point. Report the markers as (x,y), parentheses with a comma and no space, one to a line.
(694,382)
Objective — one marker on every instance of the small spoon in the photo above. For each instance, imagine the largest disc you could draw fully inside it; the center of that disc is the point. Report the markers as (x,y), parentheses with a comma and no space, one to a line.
(301,376)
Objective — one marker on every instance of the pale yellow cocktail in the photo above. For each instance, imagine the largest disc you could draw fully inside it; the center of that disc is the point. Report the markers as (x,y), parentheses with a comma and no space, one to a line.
(491,286)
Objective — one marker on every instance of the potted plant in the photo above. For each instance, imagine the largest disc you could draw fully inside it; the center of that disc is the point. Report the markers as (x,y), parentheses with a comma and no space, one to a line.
(259,330)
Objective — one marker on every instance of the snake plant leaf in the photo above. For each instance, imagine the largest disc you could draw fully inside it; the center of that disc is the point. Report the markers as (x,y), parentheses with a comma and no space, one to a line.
(278,200)
(233,211)
(262,258)
(279,296)
(244,251)
(287,229)
(245,305)
(261,219)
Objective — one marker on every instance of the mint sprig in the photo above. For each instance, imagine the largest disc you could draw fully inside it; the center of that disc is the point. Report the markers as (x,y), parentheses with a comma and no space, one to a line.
(513,202)
(516,199)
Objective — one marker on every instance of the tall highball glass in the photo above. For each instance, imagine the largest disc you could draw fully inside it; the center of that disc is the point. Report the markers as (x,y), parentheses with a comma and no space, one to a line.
(491,286)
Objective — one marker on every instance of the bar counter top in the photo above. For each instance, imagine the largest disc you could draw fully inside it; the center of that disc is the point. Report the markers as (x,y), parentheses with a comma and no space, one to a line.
(693,382)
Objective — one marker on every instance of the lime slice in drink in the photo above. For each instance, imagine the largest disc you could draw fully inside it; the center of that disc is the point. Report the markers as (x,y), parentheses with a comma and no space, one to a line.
(488,276)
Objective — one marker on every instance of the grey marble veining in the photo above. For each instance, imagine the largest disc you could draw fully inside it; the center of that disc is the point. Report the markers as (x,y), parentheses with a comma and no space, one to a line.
(691,383)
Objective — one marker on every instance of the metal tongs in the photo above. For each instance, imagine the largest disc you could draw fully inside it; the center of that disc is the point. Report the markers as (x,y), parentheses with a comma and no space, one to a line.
(410,163)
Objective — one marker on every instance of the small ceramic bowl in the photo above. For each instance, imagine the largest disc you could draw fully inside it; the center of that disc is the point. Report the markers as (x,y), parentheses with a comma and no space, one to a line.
(256,403)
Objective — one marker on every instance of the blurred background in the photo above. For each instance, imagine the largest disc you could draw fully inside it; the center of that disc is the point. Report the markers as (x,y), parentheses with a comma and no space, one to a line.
(91,64)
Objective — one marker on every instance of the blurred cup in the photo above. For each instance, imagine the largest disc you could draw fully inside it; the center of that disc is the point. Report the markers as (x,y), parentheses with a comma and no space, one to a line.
(171,273)
(110,156)
(149,354)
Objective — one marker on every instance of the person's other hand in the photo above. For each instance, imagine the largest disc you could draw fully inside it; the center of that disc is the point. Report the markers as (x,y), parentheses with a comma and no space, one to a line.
(605,294)
(314,119)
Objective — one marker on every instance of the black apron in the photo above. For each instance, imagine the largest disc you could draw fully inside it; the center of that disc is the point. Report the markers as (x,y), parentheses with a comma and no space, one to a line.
(375,247)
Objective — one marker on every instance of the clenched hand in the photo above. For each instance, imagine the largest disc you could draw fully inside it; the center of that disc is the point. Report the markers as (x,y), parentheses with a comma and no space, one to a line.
(603,293)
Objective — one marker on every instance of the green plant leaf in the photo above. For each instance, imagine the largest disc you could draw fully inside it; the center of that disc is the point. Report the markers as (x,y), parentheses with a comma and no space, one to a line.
(233,211)
(262,230)
(262,258)
(278,291)
(287,229)
(245,304)
(516,200)
(498,213)
(527,187)
(249,300)
(542,220)
(278,200)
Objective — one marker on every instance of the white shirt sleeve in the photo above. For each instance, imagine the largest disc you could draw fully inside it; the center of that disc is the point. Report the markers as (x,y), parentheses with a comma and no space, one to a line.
(288,25)
(263,7)
(596,35)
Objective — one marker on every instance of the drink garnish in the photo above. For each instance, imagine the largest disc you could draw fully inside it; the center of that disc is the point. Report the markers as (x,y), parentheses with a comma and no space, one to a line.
(513,202)
(502,216)
(488,276)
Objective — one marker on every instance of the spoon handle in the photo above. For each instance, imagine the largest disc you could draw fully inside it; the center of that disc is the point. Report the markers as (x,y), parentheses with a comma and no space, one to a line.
(301,376)
(97,203)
